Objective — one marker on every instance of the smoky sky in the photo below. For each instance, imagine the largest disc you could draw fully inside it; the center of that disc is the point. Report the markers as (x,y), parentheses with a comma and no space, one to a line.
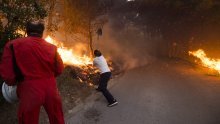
(126,42)
(138,34)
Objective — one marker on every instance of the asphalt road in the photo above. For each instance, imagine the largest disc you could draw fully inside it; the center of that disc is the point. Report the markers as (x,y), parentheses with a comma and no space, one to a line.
(159,93)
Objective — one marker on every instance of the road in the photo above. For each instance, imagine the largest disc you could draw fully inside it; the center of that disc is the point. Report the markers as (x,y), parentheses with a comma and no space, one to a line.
(158,93)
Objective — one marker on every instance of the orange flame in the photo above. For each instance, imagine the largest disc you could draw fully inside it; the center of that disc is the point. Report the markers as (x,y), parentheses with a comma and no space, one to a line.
(207,62)
(68,56)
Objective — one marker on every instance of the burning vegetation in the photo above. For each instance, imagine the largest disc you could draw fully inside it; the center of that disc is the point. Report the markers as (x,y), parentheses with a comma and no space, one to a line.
(81,65)
(213,64)
(68,56)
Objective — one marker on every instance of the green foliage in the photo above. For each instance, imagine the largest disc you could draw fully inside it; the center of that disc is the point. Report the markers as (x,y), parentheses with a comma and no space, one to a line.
(14,16)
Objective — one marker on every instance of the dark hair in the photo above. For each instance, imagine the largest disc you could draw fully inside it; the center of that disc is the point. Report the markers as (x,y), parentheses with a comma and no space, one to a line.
(97,53)
(35,28)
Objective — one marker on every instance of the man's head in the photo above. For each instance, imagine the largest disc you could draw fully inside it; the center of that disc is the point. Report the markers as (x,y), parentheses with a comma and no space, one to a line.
(35,28)
(97,53)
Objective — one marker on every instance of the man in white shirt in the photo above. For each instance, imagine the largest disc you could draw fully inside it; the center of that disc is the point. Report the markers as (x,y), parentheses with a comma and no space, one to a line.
(100,62)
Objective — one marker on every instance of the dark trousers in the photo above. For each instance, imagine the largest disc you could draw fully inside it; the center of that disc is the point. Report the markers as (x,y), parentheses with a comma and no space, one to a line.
(103,82)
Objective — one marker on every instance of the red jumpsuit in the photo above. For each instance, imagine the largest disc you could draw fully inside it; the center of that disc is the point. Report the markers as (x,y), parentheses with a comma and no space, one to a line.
(39,63)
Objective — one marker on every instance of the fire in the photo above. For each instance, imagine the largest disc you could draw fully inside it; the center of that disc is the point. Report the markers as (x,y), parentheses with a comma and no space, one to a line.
(23,33)
(82,69)
(68,56)
(207,62)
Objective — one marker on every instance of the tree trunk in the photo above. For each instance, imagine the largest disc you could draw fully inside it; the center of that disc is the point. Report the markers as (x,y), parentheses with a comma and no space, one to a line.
(90,45)
(90,39)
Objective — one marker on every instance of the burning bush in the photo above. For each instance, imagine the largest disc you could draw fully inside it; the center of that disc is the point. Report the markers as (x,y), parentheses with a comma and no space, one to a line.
(90,75)
(81,66)
(212,64)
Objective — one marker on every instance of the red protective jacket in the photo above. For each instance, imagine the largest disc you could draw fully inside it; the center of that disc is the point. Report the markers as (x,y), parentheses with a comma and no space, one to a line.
(39,64)
(35,58)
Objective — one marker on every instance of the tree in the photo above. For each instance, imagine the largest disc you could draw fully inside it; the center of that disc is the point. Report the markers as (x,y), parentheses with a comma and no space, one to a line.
(85,17)
(14,15)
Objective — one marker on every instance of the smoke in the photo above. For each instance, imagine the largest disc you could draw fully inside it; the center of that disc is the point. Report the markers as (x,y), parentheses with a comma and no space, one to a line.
(124,42)
(127,45)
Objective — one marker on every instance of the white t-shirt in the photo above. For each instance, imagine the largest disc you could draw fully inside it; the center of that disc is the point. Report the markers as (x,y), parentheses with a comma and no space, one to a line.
(101,64)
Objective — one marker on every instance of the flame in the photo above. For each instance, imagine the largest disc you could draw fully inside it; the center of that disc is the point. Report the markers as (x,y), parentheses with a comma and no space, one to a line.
(19,31)
(68,56)
(91,85)
(207,62)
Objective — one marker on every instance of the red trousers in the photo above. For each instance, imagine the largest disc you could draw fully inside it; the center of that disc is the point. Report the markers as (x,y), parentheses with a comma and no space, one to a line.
(37,93)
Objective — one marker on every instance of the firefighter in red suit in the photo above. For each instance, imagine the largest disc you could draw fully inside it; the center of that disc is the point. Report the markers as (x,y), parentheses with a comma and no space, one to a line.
(38,64)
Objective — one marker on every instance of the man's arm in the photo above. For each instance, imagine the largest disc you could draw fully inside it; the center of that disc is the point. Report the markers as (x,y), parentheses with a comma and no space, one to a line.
(94,62)
(58,64)
(6,66)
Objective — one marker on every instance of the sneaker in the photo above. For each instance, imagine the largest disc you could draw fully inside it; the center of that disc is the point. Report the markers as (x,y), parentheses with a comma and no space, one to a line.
(113,103)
